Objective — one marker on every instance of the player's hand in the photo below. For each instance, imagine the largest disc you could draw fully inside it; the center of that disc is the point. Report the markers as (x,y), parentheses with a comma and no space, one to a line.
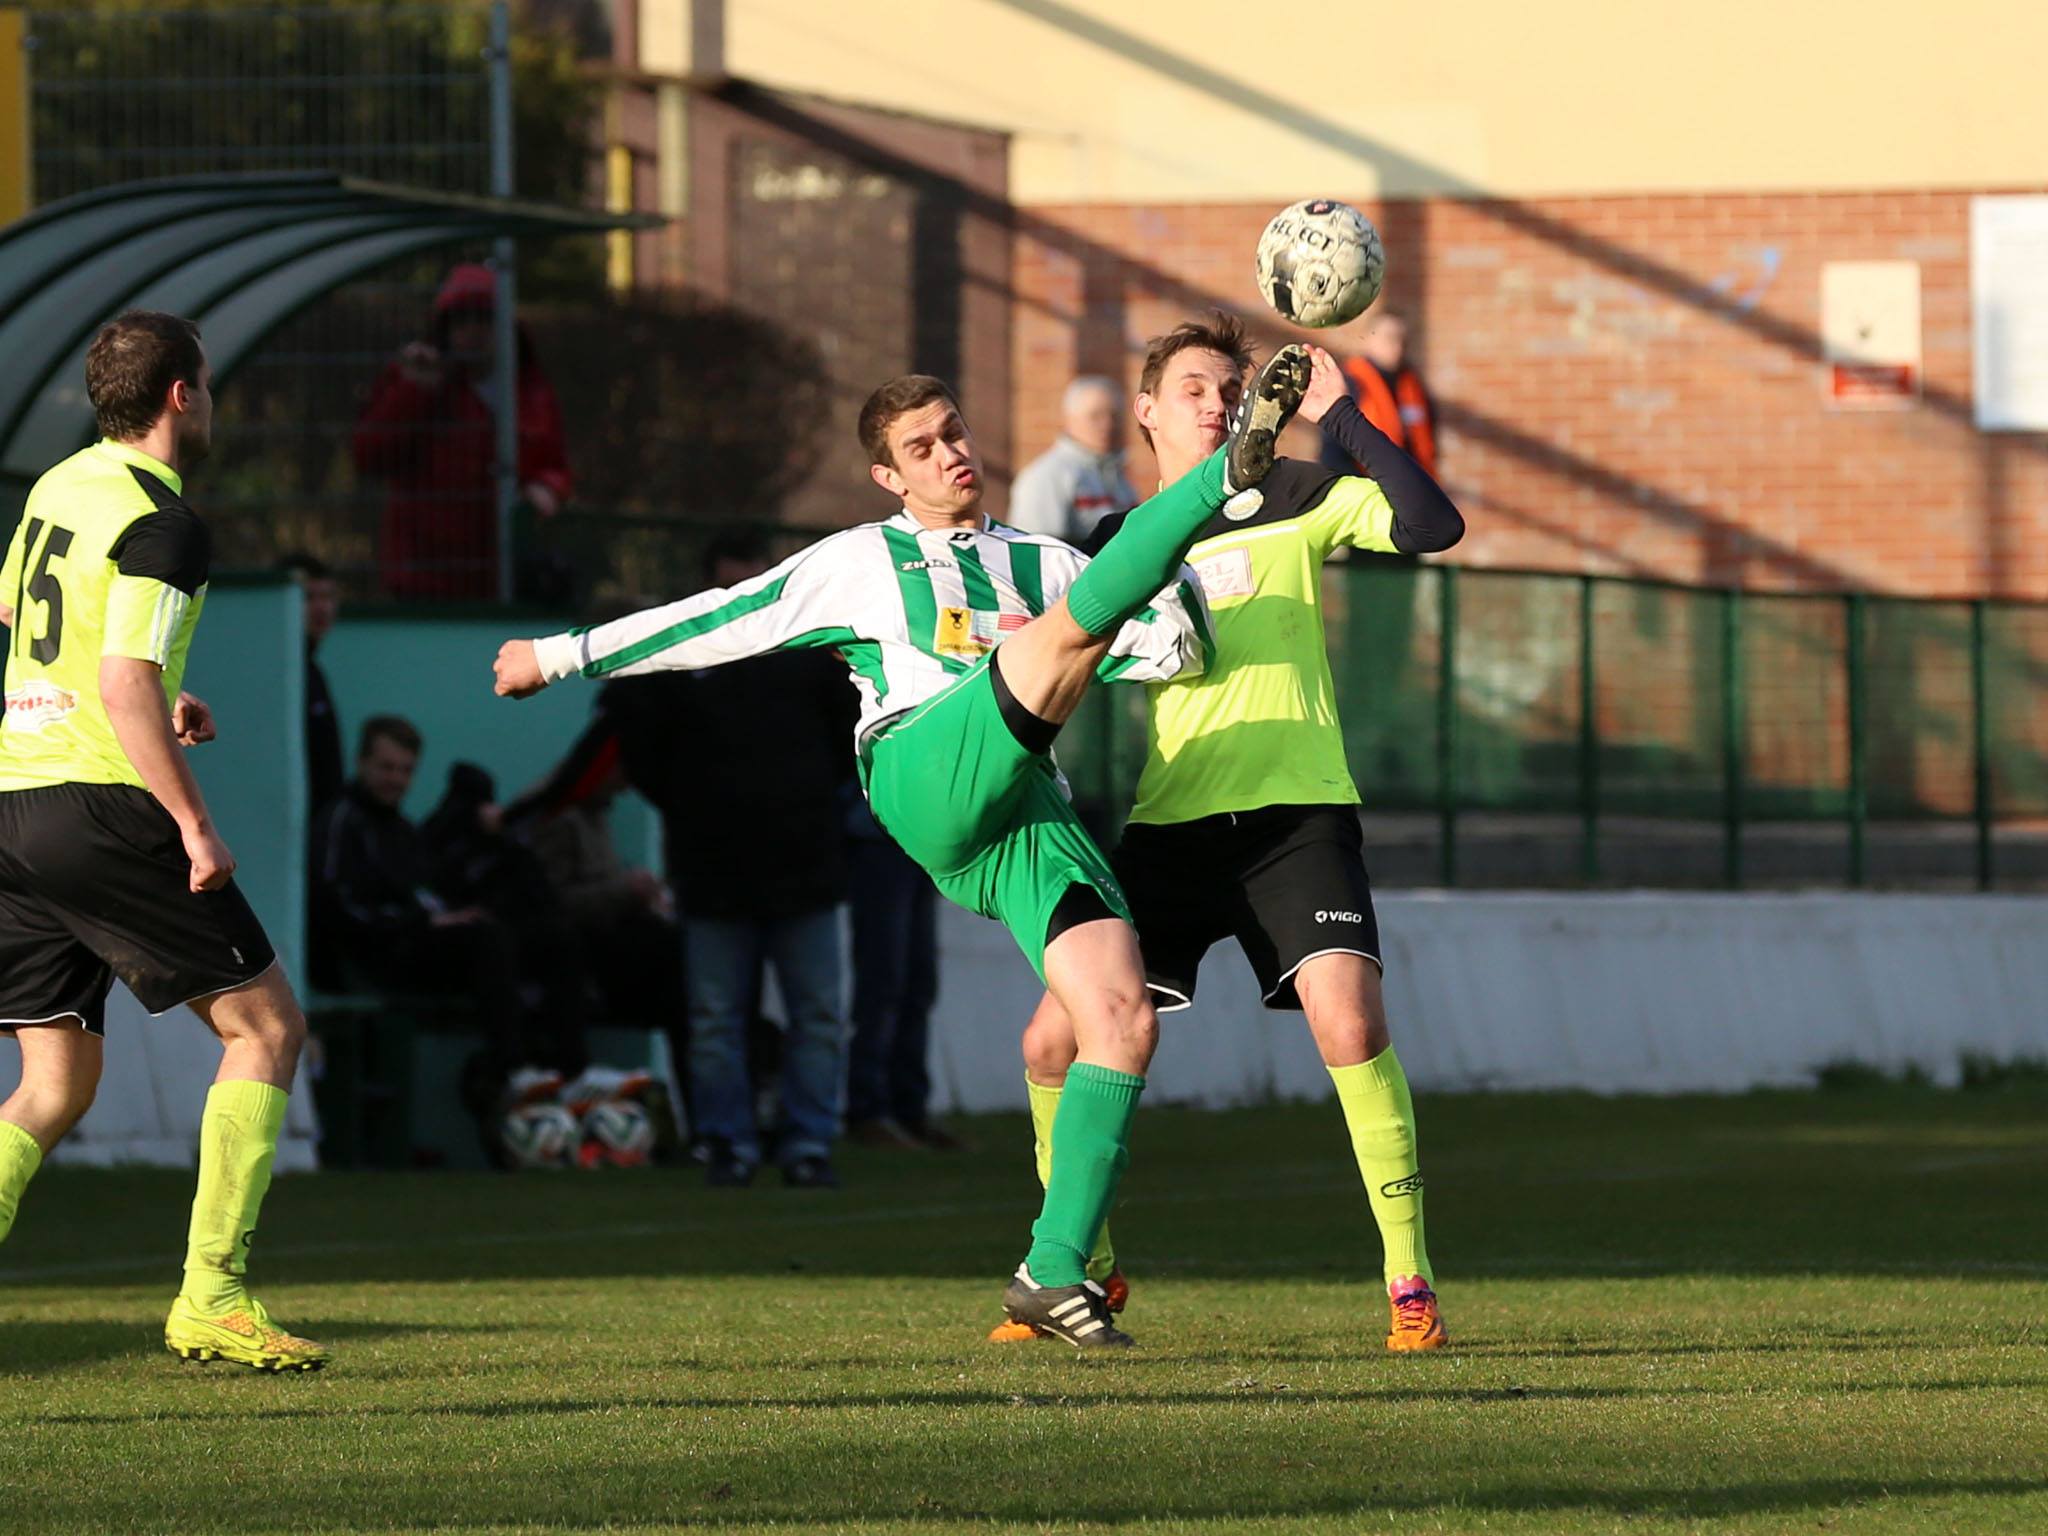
(191,720)
(1325,385)
(545,503)
(212,864)
(517,671)
(420,363)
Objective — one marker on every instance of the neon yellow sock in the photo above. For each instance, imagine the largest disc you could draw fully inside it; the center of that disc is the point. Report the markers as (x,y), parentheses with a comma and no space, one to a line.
(20,1156)
(1381,1118)
(1045,1103)
(237,1142)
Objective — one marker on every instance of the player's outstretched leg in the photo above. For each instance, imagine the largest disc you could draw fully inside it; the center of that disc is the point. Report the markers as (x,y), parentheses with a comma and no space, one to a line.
(214,1316)
(1148,550)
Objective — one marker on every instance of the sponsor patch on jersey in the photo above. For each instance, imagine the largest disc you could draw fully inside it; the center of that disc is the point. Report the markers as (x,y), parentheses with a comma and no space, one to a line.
(1227,573)
(37,706)
(974,632)
(924,565)
(954,635)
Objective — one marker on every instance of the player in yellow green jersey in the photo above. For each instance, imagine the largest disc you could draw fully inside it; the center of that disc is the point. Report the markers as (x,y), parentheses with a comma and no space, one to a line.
(1246,825)
(109,863)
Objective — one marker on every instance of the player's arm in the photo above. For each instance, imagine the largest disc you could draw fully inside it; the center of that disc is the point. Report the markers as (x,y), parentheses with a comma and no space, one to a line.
(1169,638)
(160,563)
(133,692)
(10,574)
(781,609)
(1396,507)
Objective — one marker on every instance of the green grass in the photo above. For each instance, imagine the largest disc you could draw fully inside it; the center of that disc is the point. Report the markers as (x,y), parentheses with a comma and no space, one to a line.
(1783,1312)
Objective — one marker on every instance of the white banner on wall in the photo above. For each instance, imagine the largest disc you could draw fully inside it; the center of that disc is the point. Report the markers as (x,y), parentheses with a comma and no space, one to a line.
(2009,312)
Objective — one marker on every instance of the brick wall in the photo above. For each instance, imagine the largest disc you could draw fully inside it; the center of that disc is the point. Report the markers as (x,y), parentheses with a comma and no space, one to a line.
(1628,385)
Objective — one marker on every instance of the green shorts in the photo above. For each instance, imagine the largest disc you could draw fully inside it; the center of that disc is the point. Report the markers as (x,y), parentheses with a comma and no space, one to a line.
(983,814)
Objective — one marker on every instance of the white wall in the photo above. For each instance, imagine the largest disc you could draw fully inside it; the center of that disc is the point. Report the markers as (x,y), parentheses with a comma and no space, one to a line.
(1640,992)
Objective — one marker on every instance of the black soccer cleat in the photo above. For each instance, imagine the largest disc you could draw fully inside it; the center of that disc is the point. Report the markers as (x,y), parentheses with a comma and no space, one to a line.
(1269,403)
(1077,1313)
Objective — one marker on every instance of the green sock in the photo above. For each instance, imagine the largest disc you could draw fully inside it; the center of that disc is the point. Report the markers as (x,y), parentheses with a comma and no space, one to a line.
(1147,551)
(1091,1127)
(1381,1117)
(237,1141)
(1045,1103)
(20,1156)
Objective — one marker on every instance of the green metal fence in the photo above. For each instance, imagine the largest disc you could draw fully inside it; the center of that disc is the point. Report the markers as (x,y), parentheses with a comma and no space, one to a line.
(1518,728)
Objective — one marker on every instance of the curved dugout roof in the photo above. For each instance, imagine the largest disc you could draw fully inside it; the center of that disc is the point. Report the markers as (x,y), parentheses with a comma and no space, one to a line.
(238,254)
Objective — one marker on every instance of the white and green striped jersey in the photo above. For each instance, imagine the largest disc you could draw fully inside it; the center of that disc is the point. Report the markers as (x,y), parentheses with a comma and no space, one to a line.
(910,608)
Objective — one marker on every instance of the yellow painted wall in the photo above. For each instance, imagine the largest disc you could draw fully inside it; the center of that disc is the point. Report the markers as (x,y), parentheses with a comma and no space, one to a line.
(14,147)
(1227,101)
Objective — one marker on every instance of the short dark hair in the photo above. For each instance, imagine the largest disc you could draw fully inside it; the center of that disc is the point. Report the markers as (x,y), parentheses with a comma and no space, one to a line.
(305,565)
(1216,331)
(901,395)
(396,729)
(132,364)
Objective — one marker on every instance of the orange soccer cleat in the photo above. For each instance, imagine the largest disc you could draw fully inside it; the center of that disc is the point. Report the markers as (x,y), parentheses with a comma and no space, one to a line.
(1416,1322)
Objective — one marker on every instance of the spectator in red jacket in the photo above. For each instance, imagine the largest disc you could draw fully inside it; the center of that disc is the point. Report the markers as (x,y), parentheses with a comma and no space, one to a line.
(430,430)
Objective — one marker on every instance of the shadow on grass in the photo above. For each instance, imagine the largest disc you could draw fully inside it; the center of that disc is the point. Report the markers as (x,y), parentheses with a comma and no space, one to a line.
(855,1401)
(38,1347)
(700,1501)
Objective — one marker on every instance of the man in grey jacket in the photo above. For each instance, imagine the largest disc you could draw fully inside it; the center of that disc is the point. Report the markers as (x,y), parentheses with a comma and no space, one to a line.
(1080,480)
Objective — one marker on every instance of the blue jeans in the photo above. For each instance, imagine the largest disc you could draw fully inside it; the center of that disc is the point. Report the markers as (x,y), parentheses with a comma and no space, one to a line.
(724,966)
(895,982)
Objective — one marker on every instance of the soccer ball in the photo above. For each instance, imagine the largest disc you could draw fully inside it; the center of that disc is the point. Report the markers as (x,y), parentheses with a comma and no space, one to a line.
(619,1132)
(539,1136)
(1320,263)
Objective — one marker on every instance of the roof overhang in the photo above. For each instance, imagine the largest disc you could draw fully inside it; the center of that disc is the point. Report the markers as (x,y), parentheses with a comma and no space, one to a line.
(238,254)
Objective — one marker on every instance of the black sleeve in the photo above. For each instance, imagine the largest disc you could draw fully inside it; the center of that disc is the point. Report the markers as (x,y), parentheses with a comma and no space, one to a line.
(1425,520)
(170,545)
(1101,534)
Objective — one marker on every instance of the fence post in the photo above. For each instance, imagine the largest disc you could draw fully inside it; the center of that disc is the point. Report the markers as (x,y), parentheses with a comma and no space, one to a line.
(1589,740)
(1854,609)
(1980,740)
(505,326)
(1732,743)
(1447,723)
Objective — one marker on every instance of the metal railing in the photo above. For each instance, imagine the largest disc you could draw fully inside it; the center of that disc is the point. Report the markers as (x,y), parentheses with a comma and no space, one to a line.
(1535,729)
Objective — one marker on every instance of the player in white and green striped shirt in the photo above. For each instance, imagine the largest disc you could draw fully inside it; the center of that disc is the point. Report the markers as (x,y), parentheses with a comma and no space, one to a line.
(972,645)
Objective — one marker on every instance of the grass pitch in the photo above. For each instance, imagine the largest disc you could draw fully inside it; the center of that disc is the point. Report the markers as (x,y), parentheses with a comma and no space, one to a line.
(1783,1312)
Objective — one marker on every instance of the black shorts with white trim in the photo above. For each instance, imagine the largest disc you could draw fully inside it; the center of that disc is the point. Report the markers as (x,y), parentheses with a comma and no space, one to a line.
(95,885)
(1288,882)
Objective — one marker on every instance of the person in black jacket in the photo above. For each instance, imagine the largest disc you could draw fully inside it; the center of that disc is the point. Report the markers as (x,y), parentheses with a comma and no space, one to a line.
(320,600)
(377,921)
(474,864)
(744,763)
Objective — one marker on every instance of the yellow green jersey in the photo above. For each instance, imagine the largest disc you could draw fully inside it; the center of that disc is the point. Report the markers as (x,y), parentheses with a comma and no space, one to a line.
(106,561)
(1259,727)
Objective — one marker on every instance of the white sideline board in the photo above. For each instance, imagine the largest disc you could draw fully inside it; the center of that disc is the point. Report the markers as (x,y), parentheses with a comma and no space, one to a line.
(1631,992)
(153,1091)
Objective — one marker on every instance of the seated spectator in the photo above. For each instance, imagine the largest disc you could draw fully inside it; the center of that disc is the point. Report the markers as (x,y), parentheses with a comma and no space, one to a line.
(1080,480)
(377,922)
(430,429)
(624,917)
(474,864)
